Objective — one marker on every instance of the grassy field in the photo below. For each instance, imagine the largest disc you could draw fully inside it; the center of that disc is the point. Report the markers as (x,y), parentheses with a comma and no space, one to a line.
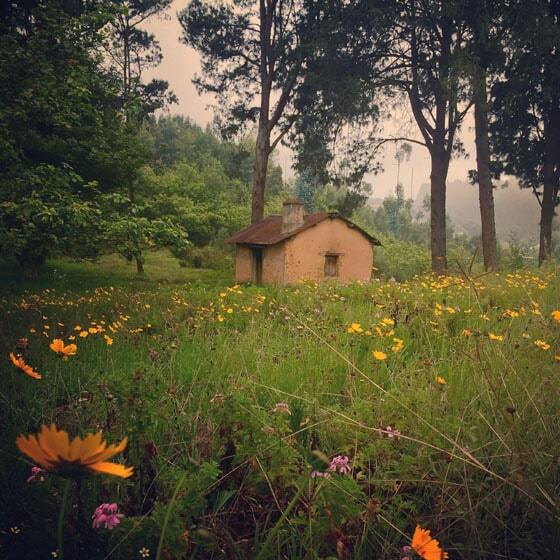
(443,394)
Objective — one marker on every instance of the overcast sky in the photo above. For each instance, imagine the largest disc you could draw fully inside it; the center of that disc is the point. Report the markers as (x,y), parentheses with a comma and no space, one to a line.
(181,63)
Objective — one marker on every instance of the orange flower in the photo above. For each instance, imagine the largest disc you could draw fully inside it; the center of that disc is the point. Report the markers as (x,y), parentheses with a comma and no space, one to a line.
(556,315)
(426,546)
(57,345)
(52,450)
(20,364)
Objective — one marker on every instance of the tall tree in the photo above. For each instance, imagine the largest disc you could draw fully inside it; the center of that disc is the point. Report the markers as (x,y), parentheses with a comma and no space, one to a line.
(253,57)
(483,18)
(427,63)
(57,119)
(525,130)
(131,50)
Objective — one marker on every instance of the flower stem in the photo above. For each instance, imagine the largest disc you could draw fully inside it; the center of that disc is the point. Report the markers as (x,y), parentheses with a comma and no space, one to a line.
(61,518)
(168,514)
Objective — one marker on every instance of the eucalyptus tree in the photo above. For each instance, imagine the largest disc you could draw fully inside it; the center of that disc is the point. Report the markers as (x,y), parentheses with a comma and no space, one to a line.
(254,55)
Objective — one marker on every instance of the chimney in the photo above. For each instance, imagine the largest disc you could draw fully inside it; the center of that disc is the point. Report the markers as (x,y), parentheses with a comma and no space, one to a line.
(292,215)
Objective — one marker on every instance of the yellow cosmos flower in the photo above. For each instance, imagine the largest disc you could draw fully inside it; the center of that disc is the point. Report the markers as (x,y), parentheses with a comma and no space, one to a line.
(19,362)
(355,328)
(556,315)
(541,344)
(441,380)
(378,355)
(52,450)
(57,345)
(108,340)
(84,334)
(497,337)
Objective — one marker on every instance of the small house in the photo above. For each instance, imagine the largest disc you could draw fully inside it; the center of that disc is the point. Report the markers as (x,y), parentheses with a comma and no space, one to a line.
(293,247)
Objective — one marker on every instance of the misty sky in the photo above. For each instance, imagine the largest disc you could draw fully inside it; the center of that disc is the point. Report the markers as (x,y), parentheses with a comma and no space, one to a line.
(181,63)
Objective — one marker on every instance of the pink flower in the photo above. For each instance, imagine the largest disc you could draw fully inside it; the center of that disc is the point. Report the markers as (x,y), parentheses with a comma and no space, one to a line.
(281,407)
(392,432)
(107,515)
(339,464)
(37,474)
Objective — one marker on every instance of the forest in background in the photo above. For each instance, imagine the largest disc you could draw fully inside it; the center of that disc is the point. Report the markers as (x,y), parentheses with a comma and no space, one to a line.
(90,164)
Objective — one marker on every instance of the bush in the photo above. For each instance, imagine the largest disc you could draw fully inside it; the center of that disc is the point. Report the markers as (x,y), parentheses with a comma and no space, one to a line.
(401,260)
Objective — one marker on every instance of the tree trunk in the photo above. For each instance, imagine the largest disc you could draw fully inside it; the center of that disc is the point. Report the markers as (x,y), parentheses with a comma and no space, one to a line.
(485,189)
(438,177)
(262,151)
(139,265)
(551,176)
(550,192)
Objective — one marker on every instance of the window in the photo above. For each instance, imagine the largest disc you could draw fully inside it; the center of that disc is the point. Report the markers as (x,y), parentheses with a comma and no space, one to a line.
(331,265)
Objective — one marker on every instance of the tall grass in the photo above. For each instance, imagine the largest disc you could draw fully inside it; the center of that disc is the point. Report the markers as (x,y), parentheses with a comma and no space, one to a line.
(223,470)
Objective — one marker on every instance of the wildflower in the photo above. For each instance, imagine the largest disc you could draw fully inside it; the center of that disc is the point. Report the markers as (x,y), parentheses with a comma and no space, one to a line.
(84,334)
(378,355)
(511,314)
(339,464)
(281,407)
(229,310)
(220,319)
(355,328)
(108,340)
(52,450)
(144,552)
(19,362)
(541,344)
(388,322)
(556,315)
(392,432)
(398,346)
(496,337)
(466,332)
(440,380)
(37,473)
(427,547)
(57,345)
(106,515)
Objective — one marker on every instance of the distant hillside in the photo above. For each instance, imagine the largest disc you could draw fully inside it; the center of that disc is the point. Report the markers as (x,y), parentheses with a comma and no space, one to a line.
(517,210)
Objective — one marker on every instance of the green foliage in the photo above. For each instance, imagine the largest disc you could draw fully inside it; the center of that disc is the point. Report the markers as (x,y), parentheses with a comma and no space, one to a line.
(400,259)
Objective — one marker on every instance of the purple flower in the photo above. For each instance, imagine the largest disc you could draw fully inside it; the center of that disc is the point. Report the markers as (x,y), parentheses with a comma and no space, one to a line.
(37,474)
(106,515)
(339,464)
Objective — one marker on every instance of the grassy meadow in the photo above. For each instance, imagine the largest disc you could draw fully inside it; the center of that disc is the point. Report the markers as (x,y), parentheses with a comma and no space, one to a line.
(443,393)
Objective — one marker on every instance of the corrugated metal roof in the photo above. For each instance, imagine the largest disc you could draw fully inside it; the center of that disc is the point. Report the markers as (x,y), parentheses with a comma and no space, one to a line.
(269,230)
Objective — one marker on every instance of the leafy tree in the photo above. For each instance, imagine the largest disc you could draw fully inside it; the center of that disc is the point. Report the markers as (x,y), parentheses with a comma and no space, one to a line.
(525,130)
(131,50)
(483,19)
(253,58)
(428,62)
(57,118)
